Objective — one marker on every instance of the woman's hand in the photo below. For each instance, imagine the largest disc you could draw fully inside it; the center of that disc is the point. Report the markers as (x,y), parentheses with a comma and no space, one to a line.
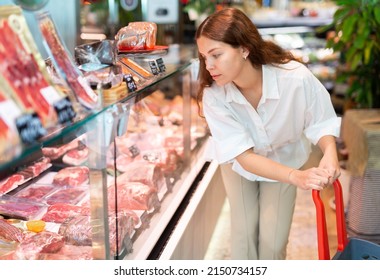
(331,165)
(313,178)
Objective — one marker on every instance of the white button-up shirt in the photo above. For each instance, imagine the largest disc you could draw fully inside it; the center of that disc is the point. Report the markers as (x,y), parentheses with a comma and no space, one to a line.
(295,110)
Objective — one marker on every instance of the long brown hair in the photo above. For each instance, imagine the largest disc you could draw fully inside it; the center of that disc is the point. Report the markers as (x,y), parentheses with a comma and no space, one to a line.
(234,27)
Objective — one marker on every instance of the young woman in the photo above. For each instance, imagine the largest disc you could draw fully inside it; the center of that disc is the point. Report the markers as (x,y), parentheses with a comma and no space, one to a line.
(264,110)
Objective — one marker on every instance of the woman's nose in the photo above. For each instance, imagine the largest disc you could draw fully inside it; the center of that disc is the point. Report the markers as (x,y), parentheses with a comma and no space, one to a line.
(209,64)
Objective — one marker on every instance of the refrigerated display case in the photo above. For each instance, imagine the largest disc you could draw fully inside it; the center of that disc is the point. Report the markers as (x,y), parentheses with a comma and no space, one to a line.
(127,180)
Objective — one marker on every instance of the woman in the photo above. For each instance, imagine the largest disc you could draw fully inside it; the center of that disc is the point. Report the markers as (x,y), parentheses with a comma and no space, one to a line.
(264,109)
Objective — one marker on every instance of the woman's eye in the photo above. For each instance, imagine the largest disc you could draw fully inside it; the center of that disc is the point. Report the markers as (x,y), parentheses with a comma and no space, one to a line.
(215,55)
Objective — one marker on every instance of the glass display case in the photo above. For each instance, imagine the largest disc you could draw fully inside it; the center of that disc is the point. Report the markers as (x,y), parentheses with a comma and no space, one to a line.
(105,185)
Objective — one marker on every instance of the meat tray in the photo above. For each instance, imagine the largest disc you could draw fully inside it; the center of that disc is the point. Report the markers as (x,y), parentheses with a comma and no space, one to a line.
(20,208)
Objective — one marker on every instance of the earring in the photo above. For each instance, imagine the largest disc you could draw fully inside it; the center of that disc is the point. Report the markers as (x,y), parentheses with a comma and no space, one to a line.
(245,56)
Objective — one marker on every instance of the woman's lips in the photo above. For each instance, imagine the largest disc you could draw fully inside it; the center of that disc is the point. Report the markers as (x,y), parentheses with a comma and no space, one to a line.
(215,76)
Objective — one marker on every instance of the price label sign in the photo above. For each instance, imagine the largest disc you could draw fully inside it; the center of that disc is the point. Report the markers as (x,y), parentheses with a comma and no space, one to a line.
(135,151)
(161,65)
(131,84)
(65,110)
(154,68)
(30,128)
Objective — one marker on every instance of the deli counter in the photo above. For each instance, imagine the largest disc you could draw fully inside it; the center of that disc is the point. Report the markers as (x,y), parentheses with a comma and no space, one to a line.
(117,174)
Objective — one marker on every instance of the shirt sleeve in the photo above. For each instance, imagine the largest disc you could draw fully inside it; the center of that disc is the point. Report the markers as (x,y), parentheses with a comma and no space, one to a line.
(321,119)
(229,136)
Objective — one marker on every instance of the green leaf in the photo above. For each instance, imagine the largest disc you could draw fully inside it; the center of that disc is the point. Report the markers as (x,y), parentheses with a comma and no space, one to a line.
(348,27)
(355,61)
(368,51)
(376,12)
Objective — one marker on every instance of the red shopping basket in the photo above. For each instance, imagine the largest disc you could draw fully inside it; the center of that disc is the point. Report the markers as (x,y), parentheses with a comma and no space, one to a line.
(348,248)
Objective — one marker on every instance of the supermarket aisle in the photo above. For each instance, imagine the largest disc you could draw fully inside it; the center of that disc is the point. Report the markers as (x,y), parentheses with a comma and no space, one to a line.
(303,235)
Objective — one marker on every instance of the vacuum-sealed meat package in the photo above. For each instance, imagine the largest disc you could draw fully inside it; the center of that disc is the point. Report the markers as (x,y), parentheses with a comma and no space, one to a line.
(137,36)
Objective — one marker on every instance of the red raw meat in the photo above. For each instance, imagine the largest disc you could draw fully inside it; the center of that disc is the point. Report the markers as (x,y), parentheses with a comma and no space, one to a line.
(35,192)
(133,196)
(56,152)
(17,208)
(36,168)
(144,172)
(42,242)
(11,183)
(69,252)
(76,156)
(10,232)
(59,212)
(69,195)
(72,176)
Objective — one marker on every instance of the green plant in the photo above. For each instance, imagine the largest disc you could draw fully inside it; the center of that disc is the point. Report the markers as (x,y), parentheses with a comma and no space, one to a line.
(357,26)
(200,6)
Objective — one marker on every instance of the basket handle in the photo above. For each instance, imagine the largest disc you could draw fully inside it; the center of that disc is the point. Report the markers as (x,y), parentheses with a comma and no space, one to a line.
(323,242)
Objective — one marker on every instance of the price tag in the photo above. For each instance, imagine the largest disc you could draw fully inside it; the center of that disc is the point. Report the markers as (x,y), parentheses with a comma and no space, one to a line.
(161,65)
(30,128)
(153,67)
(65,110)
(135,151)
(131,85)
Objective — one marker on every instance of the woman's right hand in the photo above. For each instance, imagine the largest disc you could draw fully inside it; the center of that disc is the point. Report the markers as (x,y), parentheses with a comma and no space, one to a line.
(312,178)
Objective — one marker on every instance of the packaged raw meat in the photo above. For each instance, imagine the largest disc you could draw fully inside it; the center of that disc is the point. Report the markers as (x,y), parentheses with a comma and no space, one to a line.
(137,36)
(144,172)
(9,138)
(35,192)
(64,63)
(133,196)
(59,212)
(78,230)
(56,152)
(10,232)
(72,176)
(42,242)
(20,208)
(67,195)
(76,156)
(11,182)
(23,68)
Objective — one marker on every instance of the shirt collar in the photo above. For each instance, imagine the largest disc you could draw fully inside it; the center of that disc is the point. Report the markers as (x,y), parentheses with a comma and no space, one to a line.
(270,89)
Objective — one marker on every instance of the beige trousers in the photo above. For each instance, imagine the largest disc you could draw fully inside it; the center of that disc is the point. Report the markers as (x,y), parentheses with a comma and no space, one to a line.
(261,216)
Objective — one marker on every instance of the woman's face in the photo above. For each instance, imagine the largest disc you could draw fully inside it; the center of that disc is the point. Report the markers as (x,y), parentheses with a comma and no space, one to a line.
(223,62)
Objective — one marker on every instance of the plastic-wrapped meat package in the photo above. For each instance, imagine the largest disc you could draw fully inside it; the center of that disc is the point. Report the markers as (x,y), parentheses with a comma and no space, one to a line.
(69,252)
(142,171)
(9,138)
(59,212)
(11,182)
(72,176)
(137,36)
(102,52)
(42,242)
(65,63)
(20,208)
(133,196)
(35,192)
(78,230)
(10,232)
(67,195)
(23,69)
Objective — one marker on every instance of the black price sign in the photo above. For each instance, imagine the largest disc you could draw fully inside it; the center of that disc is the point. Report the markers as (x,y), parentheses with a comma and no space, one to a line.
(153,67)
(131,85)
(161,65)
(135,151)
(65,110)
(30,128)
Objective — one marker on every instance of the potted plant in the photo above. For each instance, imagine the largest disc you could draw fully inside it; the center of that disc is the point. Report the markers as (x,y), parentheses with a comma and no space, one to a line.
(357,27)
